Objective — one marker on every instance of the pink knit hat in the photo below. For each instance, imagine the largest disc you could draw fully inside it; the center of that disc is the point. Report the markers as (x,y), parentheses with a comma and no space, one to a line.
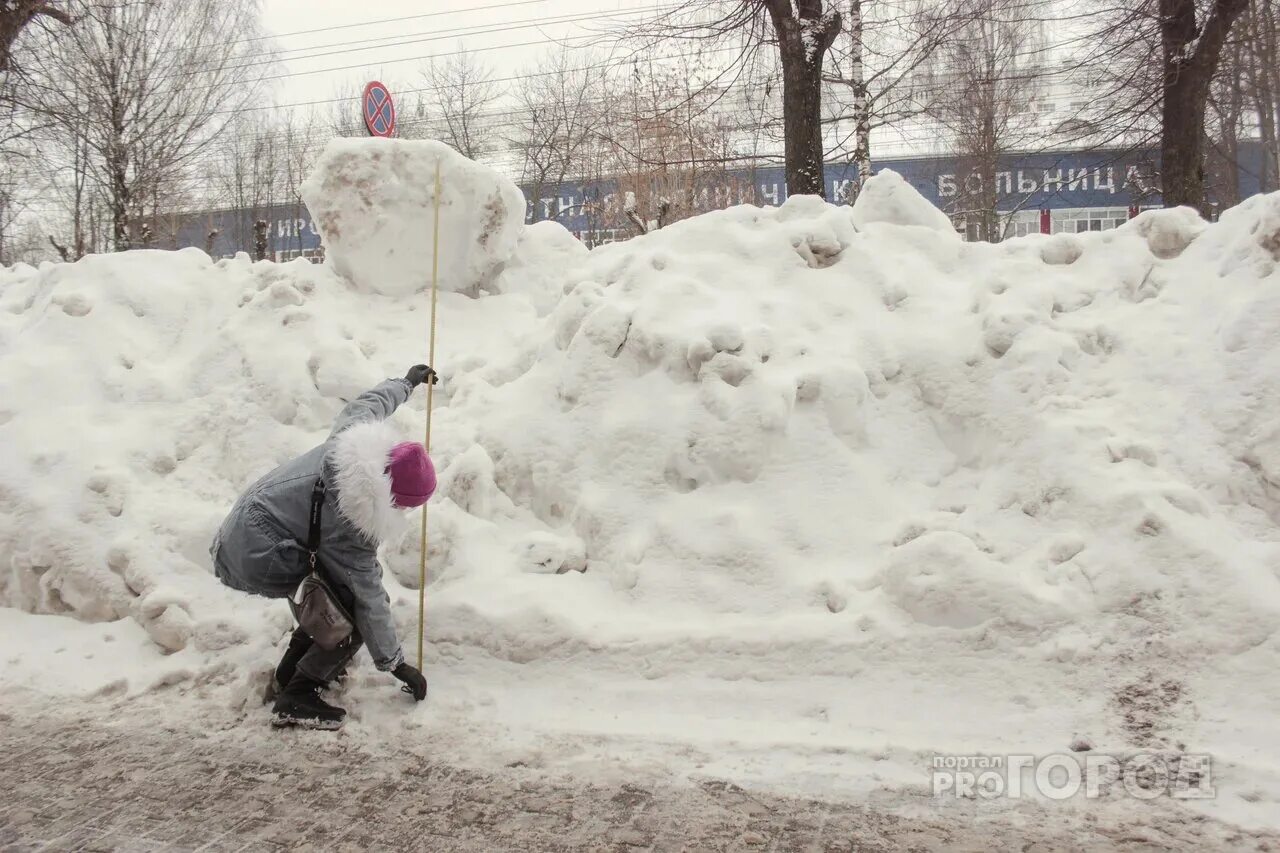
(413,477)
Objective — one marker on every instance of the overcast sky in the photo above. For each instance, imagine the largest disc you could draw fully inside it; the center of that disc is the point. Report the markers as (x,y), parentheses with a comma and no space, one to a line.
(437,27)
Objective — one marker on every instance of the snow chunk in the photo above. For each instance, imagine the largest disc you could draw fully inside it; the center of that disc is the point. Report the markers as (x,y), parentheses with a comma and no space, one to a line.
(1061,249)
(943,580)
(887,197)
(373,200)
(1250,238)
(545,252)
(1167,232)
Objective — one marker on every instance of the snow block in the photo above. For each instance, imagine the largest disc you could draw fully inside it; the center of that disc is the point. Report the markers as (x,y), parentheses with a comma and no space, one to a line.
(1167,232)
(887,197)
(374,201)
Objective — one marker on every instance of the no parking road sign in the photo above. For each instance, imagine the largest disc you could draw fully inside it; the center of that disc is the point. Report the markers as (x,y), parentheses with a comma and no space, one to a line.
(379,111)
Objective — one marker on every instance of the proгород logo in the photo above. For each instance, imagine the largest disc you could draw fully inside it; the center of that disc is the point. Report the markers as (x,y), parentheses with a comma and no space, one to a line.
(1058,776)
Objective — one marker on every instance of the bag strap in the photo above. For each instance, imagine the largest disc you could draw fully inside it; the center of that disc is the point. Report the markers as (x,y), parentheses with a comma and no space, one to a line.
(317,507)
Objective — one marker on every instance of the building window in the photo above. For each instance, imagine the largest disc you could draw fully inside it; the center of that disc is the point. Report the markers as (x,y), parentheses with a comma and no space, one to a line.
(1022,223)
(1079,220)
(316,256)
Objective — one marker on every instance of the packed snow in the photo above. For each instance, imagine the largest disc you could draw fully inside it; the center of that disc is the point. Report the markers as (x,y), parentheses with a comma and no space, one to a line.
(375,208)
(805,494)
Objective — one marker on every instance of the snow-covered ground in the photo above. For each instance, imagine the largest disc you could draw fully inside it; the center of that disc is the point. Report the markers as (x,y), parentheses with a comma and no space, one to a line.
(800,497)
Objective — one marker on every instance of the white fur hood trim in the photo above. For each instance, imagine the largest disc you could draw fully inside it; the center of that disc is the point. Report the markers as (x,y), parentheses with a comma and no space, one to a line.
(358,457)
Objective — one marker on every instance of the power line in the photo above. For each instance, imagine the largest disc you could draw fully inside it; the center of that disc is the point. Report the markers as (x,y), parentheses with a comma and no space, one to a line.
(392,20)
(382,42)
(510,79)
(410,59)
(280,134)
(313,140)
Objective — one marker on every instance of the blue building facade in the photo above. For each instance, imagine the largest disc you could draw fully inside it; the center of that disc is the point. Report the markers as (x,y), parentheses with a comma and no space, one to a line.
(1079,190)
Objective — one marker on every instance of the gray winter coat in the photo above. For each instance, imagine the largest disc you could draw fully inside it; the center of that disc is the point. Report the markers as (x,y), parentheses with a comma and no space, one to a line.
(261,546)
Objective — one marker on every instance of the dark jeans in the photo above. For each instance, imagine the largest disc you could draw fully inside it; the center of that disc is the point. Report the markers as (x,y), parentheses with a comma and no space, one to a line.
(324,664)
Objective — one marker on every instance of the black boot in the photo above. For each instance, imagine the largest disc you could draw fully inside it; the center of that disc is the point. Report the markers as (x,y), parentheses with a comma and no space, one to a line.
(298,645)
(299,704)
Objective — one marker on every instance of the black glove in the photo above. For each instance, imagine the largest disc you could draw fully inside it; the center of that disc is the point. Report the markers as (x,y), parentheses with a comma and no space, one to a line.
(420,373)
(414,682)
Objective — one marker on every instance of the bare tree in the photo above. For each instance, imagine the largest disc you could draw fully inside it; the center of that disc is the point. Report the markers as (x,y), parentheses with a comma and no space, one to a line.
(23,25)
(460,88)
(558,117)
(300,149)
(17,15)
(1225,123)
(1162,57)
(669,143)
(10,211)
(248,173)
(874,64)
(986,84)
(1262,44)
(802,31)
(1191,50)
(345,118)
(145,86)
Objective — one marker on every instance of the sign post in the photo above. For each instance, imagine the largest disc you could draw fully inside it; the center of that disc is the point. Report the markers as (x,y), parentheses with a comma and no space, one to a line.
(379,111)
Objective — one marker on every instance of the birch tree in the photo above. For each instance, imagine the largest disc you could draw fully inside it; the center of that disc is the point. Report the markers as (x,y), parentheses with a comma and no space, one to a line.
(874,66)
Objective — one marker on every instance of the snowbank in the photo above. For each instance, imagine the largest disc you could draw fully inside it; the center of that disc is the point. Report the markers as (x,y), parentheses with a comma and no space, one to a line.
(374,201)
(811,450)
(140,392)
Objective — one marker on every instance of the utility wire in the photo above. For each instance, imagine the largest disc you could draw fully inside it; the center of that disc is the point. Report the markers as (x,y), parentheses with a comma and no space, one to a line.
(274,58)
(395,20)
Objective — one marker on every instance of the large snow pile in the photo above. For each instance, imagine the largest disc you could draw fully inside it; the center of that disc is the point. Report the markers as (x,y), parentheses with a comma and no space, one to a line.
(866,469)
(374,201)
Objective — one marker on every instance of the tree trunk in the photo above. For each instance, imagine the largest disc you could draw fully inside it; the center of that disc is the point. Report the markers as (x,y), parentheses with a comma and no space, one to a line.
(861,103)
(1230,195)
(4,212)
(119,207)
(80,179)
(803,39)
(118,176)
(1181,148)
(15,16)
(1190,58)
(63,251)
(802,129)
(260,240)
